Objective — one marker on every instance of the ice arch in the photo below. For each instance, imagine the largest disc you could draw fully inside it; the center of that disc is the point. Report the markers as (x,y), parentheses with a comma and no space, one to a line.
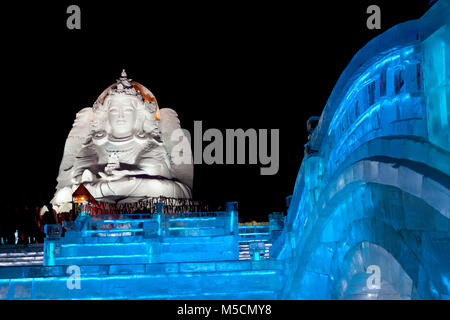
(395,284)
(414,234)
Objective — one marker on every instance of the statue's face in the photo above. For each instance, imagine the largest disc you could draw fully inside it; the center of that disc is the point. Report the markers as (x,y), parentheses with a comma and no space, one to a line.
(122,116)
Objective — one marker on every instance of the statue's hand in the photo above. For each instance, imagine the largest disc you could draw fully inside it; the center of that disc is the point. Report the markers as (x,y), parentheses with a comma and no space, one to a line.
(119,174)
(110,177)
(128,172)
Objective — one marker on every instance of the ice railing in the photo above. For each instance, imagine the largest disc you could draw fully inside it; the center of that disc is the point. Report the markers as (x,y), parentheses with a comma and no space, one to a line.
(254,232)
(152,224)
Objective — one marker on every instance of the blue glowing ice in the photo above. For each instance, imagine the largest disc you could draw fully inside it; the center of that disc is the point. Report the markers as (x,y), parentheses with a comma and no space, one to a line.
(376,194)
(369,217)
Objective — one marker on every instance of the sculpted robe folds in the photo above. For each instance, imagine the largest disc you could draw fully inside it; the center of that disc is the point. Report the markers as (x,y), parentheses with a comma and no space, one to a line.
(121,149)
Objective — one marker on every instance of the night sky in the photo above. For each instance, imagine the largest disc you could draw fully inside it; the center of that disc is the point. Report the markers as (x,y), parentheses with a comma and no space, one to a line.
(258,65)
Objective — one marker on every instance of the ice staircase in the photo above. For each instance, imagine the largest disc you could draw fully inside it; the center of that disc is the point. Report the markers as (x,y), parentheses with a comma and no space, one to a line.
(254,251)
(21,255)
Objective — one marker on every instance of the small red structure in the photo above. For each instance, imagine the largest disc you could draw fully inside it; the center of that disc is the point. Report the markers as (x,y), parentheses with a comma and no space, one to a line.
(82,197)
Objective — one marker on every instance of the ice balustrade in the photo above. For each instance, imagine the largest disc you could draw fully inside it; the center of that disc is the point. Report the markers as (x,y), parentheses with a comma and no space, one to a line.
(254,231)
(150,224)
(382,102)
(145,238)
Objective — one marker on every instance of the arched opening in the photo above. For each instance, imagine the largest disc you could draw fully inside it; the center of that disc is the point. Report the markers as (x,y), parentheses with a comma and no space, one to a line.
(370,272)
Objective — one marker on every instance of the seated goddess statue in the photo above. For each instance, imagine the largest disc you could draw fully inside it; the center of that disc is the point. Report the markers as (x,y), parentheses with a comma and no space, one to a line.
(122,148)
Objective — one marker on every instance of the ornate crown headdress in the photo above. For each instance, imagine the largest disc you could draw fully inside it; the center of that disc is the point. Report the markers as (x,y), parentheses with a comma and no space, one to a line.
(124,87)
(132,88)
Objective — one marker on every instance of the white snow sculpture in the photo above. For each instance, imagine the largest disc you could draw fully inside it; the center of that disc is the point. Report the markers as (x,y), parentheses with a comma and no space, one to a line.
(121,149)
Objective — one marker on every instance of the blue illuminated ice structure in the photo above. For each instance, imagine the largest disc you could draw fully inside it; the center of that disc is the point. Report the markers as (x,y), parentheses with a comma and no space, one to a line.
(159,255)
(368,218)
(373,191)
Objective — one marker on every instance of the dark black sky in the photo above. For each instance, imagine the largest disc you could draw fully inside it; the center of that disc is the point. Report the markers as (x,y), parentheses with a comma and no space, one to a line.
(229,64)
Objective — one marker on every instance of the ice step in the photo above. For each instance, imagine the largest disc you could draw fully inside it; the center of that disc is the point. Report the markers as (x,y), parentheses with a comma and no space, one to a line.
(21,255)
(8,261)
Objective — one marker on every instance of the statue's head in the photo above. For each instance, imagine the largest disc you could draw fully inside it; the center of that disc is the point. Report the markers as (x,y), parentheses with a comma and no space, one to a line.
(122,115)
(125,111)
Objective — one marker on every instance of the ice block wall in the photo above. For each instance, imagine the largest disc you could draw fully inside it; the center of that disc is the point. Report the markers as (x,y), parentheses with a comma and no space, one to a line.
(369,215)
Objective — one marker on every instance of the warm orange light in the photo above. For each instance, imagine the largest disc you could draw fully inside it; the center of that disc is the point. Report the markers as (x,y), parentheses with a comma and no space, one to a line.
(82,198)
(148,96)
